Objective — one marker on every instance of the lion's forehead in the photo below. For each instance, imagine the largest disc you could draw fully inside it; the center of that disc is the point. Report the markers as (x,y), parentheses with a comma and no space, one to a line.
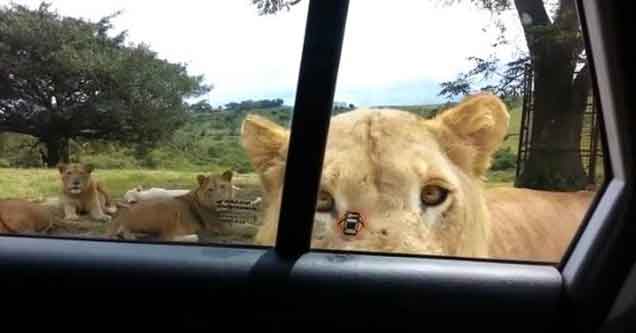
(382,148)
(368,125)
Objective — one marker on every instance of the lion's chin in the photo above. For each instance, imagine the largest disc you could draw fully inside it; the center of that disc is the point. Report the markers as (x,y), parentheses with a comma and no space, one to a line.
(75,191)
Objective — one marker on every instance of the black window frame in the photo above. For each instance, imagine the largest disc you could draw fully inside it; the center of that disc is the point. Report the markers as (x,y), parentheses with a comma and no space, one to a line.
(286,277)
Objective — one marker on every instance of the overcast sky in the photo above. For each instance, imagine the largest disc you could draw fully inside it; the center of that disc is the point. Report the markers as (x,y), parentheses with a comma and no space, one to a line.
(395,54)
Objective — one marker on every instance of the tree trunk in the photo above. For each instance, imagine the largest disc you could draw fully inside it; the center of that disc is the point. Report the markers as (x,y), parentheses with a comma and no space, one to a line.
(554,161)
(3,142)
(56,151)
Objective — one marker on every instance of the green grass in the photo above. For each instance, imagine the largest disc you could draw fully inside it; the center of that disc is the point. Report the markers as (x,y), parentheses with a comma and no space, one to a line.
(38,184)
(500,178)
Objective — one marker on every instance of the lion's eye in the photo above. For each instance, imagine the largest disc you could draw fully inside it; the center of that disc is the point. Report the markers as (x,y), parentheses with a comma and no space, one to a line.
(433,195)
(325,202)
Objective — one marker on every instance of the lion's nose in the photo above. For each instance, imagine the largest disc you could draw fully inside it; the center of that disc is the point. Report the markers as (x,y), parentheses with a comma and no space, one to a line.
(76,182)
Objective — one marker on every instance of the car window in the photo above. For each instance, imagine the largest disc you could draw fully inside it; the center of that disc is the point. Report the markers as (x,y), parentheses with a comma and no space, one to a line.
(460,130)
(122,123)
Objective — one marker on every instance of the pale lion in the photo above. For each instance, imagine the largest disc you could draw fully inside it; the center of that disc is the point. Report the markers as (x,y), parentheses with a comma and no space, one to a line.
(140,194)
(419,186)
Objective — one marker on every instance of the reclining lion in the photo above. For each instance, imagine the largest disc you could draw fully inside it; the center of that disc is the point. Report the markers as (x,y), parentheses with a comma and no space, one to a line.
(415,186)
(82,194)
(176,218)
(19,216)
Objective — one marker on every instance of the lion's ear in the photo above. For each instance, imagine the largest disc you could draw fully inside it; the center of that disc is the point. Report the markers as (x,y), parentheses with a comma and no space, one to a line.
(61,167)
(227,175)
(89,167)
(201,179)
(473,130)
(266,145)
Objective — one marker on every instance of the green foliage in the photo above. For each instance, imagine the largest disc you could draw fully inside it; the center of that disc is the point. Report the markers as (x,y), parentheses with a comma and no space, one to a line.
(501,176)
(207,142)
(251,104)
(504,159)
(230,154)
(201,107)
(166,159)
(267,7)
(26,158)
(63,77)
(19,151)
(118,159)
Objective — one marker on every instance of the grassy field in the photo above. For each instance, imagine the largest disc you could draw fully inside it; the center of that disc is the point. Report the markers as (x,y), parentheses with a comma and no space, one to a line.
(39,184)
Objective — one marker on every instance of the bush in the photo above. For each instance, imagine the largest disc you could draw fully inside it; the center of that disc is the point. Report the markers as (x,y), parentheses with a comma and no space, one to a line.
(25,158)
(165,158)
(111,160)
(504,159)
(229,154)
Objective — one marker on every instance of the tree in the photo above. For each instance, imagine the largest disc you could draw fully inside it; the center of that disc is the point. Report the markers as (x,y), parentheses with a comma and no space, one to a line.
(266,7)
(562,84)
(63,78)
(251,104)
(561,88)
(202,107)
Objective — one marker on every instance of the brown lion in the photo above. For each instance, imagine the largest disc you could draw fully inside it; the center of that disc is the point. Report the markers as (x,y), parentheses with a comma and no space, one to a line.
(18,216)
(82,194)
(170,219)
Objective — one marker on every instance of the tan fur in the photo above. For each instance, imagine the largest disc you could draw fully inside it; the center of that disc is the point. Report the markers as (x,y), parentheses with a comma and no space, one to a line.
(19,216)
(170,219)
(378,161)
(83,194)
(550,221)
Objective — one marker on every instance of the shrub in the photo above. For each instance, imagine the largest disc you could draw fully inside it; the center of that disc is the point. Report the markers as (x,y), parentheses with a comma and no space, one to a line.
(504,159)
(111,160)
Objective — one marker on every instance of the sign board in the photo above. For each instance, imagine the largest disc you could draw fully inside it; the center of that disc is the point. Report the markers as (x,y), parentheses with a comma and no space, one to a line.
(237,212)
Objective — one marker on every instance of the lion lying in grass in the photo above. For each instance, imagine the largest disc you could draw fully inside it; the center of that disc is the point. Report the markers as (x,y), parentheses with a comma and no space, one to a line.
(82,194)
(176,218)
(18,216)
(418,186)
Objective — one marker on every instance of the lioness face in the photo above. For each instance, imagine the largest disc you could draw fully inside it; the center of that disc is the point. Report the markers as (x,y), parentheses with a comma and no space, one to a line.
(415,183)
(76,177)
(214,188)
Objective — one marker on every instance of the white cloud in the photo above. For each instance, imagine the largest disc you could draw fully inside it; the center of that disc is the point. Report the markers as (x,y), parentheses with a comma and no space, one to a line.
(249,56)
